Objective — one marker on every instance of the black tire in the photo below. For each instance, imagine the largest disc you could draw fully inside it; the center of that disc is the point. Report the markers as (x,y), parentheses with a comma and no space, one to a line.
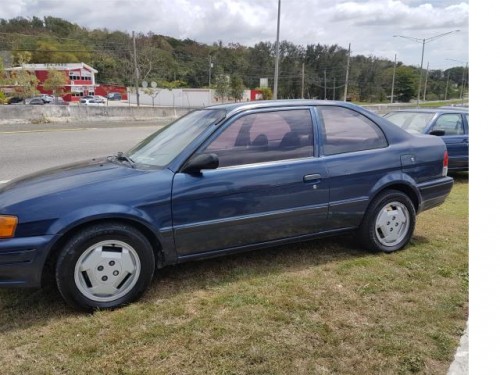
(388,223)
(105,266)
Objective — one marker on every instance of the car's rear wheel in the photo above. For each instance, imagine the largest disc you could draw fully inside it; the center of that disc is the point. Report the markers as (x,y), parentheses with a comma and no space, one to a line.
(389,222)
(105,266)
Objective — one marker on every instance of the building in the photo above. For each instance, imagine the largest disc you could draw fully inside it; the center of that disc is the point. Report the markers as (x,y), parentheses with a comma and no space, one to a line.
(80,80)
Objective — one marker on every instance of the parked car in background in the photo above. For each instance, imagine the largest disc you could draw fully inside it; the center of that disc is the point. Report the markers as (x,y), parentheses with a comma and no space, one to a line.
(90,102)
(15,100)
(449,123)
(222,179)
(35,101)
(114,96)
(46,98)
(99,99)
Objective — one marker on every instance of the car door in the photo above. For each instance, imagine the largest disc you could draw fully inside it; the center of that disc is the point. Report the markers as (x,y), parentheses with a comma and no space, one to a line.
(354,150)
(456,138)
(268,186)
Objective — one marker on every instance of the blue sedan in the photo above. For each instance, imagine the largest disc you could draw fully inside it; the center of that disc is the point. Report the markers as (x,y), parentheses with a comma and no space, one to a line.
(222,179)
(449,123)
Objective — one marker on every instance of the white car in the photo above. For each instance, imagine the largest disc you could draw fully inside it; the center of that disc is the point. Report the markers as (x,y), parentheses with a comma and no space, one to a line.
(90,102)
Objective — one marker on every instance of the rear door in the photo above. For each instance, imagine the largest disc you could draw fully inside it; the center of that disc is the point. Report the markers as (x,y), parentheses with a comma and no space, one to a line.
(269,185)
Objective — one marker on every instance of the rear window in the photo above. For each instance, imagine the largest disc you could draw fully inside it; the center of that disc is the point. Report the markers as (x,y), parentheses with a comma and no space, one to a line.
(412,122)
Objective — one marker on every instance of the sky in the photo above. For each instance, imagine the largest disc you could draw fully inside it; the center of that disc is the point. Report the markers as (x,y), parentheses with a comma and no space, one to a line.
(368,25)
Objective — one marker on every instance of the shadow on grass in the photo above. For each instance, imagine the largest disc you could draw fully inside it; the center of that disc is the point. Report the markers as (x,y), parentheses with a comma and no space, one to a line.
(459,177)
(23,308)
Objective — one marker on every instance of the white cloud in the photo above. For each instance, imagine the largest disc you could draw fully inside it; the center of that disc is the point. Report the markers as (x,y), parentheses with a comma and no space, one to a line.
(367,24)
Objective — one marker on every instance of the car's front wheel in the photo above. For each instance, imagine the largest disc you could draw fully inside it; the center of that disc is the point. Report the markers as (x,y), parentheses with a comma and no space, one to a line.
(389,222)
(105,266)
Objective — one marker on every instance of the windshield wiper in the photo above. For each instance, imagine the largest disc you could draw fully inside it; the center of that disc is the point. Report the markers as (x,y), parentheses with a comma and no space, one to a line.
(120,156)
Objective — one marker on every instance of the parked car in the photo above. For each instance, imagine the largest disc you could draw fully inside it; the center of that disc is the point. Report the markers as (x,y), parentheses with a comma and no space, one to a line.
(223,179)
(15,100)
(35,101)
(46,98)
(99,99)
(449,123)
(114,96)
(89,102)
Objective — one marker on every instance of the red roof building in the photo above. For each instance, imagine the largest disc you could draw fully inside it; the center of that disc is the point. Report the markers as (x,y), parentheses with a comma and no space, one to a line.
(80,80)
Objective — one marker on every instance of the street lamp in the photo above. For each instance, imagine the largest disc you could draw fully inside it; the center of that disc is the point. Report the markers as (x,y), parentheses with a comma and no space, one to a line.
(423,41)
(277,52)
(462,91)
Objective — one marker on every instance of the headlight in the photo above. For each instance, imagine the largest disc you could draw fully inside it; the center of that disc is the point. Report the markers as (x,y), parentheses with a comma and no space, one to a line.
(7,226)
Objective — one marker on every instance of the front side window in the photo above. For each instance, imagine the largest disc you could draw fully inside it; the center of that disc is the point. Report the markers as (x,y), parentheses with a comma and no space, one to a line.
(450,123)
(345,130)
(264,137)
(162,147)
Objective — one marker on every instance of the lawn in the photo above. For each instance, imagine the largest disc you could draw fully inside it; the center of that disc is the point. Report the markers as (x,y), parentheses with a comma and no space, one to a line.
(321,307)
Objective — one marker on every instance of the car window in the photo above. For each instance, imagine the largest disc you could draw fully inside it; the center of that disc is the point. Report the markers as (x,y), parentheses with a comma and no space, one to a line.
(450,123)
(412,122)
(345,130)
(263,137)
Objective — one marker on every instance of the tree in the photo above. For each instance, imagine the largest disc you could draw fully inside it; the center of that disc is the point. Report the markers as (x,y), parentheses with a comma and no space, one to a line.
(24,80)
(405,84)
(222,86)
(236,87)
(55,82)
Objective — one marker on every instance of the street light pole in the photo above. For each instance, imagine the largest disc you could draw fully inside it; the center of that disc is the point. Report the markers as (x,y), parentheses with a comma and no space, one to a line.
(393,78)
(277,52)
(423,41)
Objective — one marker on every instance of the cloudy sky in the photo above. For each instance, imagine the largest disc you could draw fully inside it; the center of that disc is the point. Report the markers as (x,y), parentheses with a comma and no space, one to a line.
(369,25)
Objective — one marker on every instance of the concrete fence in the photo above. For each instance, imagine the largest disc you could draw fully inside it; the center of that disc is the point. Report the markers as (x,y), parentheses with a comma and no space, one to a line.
(70,113)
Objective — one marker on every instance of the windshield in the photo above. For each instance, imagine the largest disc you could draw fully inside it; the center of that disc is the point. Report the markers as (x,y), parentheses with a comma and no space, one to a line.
(163,146)
(412,122)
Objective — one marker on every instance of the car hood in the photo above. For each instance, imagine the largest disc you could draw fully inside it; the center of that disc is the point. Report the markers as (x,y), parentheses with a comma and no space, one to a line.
(71,177)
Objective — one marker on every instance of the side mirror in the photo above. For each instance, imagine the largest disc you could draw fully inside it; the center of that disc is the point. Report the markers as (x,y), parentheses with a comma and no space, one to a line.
(199,162)
(439,133)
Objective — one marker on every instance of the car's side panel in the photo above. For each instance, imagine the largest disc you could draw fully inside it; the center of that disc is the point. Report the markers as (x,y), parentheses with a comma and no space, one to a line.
(238,206)
(351,178)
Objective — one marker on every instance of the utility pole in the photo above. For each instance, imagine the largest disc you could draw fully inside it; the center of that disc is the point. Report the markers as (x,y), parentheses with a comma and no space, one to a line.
(426,76)
(334,83)
(210,65)
(324,74)
(303,78)
(136,68)
(423,41)
(447,83)
(393,78)
(347,72)
(277,53)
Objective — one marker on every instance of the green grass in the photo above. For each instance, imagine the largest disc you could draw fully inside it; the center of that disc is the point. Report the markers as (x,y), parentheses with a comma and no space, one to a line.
(321,307)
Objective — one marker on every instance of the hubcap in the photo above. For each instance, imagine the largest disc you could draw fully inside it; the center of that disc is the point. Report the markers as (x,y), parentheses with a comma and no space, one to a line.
(107,271)
(392,224)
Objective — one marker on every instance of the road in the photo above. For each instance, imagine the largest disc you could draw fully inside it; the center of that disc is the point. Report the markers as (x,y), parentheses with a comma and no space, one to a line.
(26,149)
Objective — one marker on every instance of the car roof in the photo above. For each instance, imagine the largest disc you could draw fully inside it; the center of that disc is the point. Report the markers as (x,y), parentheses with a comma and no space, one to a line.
(433,110)
(232,108)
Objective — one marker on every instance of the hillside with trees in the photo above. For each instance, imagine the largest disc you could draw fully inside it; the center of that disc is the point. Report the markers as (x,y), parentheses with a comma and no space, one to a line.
(312,71)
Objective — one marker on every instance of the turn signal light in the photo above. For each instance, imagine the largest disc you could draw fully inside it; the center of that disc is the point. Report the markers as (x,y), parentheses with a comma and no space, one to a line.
(8,226)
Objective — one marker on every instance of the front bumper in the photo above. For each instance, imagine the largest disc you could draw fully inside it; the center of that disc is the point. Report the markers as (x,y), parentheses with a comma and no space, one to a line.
(433,193)
(22,260)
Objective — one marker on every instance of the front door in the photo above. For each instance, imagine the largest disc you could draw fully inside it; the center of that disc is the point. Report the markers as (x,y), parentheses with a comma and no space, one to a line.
(269,185)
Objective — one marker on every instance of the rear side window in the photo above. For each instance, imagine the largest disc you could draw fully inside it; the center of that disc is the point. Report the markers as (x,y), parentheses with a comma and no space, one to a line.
(264,137)
(345,130)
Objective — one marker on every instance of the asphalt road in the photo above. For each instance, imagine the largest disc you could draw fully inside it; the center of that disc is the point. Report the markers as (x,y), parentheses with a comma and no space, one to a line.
(30,148)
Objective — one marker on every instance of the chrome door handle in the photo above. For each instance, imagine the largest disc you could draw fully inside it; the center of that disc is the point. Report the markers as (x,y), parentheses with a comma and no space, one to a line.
(315,177)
